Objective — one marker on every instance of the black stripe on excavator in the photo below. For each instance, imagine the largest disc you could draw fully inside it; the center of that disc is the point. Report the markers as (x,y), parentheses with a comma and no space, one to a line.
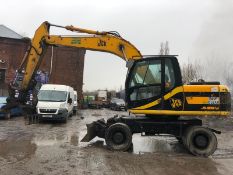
(194,107)
(202,94)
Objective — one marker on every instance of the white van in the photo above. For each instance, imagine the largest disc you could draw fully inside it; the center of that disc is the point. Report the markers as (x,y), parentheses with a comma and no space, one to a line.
(75,108)
(55,102)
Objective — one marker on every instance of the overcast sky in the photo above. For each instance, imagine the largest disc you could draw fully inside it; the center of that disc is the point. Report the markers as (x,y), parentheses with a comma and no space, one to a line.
(193,28)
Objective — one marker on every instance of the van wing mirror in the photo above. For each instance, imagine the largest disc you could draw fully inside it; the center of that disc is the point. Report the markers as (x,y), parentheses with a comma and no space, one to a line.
(70,100)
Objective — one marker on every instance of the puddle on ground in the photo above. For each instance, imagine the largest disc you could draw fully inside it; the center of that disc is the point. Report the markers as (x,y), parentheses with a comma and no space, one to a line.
(74,139)
(162,144)
(96,115)
(144,144)
(57,139)
(16,150)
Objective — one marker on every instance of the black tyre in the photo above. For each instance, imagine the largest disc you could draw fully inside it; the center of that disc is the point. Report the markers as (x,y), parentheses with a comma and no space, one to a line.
(65,119)
(118,137)
(71,114)
(200,141)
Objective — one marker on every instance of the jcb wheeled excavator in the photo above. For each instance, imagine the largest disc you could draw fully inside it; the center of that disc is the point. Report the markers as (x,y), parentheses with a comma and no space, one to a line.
(153,87)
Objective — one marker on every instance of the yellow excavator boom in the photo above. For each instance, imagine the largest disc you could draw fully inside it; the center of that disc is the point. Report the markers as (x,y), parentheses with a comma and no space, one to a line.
(110,42)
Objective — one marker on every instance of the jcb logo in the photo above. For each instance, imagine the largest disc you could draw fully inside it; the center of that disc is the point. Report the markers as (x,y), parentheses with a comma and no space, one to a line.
(101,43)
(175,103)
(75,41)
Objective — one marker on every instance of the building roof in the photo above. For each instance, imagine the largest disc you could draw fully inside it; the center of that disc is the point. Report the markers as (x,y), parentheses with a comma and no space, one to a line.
(8,33)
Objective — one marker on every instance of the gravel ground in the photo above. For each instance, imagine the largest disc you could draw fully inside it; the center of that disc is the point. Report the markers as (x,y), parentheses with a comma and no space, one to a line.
(55,148)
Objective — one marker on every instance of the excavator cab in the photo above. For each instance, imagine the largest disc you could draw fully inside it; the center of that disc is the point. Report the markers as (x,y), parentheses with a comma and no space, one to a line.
(154,88)
(149,79)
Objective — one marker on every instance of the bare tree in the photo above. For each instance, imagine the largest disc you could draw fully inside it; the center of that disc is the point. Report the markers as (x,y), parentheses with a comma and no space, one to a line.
(228,74)
(191,72)
(164,48)
(161,51)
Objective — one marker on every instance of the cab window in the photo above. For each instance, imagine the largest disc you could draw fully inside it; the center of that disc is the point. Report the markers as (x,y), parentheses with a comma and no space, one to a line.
(138,74)
(169,75)
(146,73)
(145,80)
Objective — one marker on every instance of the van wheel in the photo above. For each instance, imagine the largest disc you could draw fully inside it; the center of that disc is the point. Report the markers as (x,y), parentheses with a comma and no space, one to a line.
(65,119)
(71,114)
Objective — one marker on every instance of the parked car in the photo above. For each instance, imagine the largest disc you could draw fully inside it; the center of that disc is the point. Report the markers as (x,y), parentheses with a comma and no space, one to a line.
(16,111)
(55,102)
(117,104)
(94,104)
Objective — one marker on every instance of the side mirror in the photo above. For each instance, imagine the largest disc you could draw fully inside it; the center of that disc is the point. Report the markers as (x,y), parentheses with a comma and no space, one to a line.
(70,100)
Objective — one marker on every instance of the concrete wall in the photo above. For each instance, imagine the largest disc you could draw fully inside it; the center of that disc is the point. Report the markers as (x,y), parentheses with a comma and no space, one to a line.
(67,67)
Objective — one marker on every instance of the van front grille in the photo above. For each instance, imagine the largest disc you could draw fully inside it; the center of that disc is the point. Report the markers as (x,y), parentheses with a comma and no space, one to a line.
(49,111)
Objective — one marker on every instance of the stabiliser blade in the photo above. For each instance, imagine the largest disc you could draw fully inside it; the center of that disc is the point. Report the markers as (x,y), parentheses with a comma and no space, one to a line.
(96,128)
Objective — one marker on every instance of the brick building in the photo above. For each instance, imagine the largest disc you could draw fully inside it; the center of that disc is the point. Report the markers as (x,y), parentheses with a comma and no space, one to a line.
(66,68)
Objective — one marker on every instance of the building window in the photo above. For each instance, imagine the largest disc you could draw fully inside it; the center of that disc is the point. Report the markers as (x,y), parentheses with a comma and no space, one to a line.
(2,75)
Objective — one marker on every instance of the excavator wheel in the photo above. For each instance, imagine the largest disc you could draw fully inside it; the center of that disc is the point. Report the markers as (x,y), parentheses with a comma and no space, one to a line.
(200,141)
(118,137)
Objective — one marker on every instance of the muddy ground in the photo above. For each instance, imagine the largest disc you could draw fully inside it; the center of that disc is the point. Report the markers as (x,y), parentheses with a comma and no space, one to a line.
(55,148)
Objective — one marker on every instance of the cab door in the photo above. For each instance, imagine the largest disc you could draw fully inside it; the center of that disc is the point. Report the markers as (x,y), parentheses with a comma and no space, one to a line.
(155,84)
(144,84)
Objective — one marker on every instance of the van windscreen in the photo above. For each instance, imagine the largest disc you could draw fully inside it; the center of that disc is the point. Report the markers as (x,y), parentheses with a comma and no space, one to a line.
(51,95)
